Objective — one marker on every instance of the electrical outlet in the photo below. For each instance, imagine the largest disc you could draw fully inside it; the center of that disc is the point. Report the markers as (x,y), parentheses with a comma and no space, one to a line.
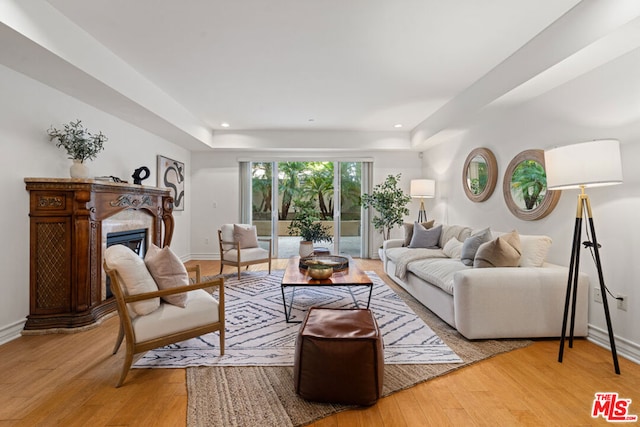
(622,303)
(597,295)
(206,241)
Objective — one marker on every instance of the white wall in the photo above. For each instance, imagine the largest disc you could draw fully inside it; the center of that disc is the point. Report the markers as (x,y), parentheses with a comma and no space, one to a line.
(604,103)
(27,110)
(215,180)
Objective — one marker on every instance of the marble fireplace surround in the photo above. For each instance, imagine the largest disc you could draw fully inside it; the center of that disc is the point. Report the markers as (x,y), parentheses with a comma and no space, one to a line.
(127,220)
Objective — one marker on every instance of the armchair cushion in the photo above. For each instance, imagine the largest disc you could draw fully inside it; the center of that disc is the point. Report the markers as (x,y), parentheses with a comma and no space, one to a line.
(245,236)
(250,254)
(202,309)
(136,279)
(168,271)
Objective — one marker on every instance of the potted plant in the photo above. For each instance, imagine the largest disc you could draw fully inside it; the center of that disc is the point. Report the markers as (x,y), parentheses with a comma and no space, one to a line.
(390,204)
(306,224)
(80,144)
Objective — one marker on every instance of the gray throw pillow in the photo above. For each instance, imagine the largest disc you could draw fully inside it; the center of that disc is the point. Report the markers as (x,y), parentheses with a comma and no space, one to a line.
(471,245)
(408,231)
(425,238)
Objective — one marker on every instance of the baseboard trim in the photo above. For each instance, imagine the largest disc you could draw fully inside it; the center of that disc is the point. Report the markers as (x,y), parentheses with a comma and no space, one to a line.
(11,331)
(625,348)
(205,257)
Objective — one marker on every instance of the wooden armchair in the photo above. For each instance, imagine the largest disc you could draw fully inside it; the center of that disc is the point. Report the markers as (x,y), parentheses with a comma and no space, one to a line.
(166,324)
(239,247)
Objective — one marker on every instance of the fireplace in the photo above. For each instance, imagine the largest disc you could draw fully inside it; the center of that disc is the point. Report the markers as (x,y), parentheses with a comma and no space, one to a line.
(70,222)
(136,240)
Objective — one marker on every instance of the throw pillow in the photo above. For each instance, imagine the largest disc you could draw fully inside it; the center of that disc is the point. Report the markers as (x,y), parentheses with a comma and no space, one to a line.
(503,251)
(534,250)
(408,230)
(425,238)
(168,272)
(453,248)
(471,245)
(460,232)
(133,276)
(245,236)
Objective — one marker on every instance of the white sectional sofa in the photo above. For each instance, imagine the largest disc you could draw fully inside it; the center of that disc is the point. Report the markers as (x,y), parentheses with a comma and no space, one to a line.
(526,301)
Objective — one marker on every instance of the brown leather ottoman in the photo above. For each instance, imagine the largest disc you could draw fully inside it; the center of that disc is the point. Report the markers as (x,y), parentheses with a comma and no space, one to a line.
(339,357)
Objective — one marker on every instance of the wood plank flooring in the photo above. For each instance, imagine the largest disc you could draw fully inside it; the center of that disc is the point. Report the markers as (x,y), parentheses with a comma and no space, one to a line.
(68,380)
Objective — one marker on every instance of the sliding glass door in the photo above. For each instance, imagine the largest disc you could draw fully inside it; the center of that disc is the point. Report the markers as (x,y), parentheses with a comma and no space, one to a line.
(328,192)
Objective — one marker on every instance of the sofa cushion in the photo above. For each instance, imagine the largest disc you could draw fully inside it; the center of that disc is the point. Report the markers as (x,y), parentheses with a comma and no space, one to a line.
(471,245)
(449,232)
(503,251)
(425,238)
(168,272)
(453,248)
(534,250)
(134,277)
(438,271)
(402,257)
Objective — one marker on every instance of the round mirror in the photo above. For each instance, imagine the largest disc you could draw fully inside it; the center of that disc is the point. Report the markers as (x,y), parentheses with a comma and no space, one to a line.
(480,174)
(525,187)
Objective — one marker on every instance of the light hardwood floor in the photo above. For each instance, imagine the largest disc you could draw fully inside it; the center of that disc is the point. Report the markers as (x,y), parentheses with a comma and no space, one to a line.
(68,380)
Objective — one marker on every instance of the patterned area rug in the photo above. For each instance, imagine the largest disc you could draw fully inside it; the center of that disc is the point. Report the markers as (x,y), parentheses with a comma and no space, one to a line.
(257,334)
(264,395)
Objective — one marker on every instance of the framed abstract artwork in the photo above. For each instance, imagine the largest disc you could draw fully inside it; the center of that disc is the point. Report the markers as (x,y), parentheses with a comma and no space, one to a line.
(171,175)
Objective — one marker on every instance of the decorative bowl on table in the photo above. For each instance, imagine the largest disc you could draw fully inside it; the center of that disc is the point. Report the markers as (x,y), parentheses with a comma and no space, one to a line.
(337,263)
(320,271)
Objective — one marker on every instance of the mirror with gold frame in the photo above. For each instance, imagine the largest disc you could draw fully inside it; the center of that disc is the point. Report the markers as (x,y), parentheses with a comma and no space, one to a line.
(524,187)
(479,174)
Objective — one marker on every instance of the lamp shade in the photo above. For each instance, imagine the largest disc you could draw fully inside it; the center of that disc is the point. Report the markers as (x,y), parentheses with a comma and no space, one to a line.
(423,188)
(586,164)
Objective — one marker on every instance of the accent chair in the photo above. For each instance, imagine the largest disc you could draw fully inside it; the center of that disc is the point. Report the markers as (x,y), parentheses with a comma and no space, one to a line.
(239,247)
(157,304)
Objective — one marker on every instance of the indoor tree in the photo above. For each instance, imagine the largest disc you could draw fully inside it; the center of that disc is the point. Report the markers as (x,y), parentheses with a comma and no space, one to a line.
(390,204)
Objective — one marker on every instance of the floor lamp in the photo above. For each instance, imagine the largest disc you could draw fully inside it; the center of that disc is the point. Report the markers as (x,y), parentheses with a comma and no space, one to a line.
(422,188)
(587,164)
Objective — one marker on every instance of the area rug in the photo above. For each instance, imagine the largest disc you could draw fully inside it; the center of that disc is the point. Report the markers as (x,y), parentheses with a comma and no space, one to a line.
(264,395)
(257,334)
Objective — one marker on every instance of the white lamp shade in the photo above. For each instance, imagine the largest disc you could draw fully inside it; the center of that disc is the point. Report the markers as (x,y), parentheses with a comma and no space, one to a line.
(423,188)
(586,164)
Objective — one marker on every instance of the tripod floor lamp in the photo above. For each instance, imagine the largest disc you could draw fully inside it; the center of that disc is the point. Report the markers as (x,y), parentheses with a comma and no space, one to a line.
(587,164)
(422,189)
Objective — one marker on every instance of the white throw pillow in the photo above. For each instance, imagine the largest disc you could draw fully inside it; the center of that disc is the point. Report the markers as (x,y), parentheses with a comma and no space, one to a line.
(168,272)
(134,277)
(453,248)
(534,250)
(246,236)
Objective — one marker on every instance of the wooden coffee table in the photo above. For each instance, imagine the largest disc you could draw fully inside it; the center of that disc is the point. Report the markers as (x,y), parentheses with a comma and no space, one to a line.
(294,277)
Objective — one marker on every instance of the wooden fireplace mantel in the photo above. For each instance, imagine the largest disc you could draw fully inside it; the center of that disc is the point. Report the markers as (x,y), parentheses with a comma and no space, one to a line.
(66,218)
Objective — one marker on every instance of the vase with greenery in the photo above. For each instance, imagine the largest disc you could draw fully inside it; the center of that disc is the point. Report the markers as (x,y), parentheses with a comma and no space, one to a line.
(390,204)
(80,145)
(306,224)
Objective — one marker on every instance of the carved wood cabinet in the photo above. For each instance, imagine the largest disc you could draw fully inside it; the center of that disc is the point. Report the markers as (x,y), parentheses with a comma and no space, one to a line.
(68,219)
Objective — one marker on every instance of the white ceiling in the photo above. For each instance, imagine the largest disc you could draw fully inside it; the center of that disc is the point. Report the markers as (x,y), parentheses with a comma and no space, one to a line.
(180,69)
